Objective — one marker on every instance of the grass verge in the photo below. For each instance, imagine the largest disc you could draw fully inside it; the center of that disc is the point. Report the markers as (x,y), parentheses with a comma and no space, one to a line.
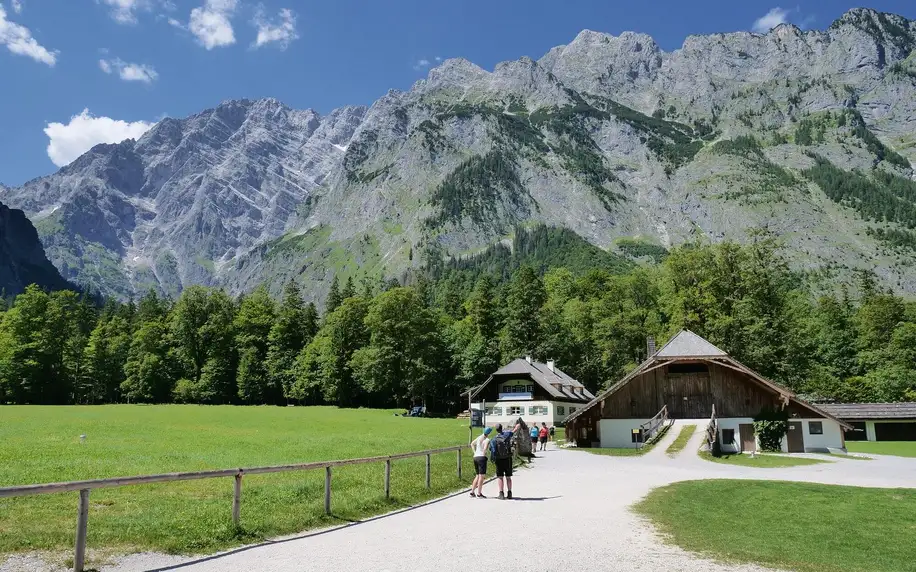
(762,460)
(678,445)
(793,526)
(897,448)
(42,444)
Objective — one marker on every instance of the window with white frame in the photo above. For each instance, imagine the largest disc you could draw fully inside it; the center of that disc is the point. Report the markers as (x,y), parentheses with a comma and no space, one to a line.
(514,410)
(815,427)
(537,410)
(561,410)
(494,410)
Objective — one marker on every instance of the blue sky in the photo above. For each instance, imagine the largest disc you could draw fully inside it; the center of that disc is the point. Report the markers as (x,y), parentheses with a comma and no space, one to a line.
(130,62)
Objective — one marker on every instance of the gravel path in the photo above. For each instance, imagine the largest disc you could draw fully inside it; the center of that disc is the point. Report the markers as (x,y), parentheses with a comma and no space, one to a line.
(574,492)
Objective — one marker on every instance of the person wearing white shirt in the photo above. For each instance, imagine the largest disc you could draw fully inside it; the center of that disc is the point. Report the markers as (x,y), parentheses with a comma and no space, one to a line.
(480,446)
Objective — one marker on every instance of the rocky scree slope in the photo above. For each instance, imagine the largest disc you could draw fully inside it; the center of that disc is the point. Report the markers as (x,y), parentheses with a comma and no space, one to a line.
(809,134)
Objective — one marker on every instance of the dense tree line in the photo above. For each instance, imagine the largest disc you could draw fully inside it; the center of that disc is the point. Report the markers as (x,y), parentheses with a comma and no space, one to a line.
(440,332)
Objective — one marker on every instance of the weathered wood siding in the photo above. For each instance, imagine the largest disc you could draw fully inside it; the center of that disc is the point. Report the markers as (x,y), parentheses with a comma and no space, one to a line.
(689,395)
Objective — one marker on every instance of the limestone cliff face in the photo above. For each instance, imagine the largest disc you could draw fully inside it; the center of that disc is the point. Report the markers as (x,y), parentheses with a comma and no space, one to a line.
(609,136)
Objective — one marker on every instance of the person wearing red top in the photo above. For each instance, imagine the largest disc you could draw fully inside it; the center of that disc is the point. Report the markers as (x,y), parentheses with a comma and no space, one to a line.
(543,434)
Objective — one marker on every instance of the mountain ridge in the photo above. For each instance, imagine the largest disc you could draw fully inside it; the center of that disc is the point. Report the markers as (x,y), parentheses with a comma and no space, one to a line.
(609,136)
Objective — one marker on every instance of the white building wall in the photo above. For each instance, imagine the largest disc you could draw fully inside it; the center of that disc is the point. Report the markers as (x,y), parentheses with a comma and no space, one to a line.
(552,418)
(733,423)
(832,438)
(618,433)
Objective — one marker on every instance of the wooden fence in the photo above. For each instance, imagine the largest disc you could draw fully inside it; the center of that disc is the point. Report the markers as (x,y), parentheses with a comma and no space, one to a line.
(712,430)
(83,487)
(650,428)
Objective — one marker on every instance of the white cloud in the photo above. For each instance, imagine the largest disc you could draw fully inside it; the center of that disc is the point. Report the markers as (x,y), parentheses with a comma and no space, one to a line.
(212,25)
(17,6)
(421,64)
(438,59)
(128,71)
(18,39)
(125,11)
(67,142)
(770,20)
(177,24)
(282,31)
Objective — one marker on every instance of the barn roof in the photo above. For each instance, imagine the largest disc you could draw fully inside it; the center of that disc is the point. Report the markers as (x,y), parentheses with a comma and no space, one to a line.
(862,411)
(688,346)
(544,376)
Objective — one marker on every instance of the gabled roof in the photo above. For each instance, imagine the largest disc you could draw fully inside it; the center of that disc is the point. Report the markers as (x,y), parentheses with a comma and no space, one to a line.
(541,374)
(861,411)
(687,346)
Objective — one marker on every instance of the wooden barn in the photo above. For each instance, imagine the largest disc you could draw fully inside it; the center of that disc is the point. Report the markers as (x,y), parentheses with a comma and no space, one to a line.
(690,378)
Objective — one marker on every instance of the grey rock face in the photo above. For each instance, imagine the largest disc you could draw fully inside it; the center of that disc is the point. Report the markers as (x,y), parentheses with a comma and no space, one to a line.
(172,208)
(609,136)
(22,259)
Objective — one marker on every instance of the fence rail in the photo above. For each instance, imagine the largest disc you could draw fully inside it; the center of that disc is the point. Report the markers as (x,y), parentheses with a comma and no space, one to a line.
(651,427)
(84,487)
(712,430)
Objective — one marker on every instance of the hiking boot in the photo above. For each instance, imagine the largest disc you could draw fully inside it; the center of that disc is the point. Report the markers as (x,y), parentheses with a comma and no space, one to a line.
(509,495)
(502,496)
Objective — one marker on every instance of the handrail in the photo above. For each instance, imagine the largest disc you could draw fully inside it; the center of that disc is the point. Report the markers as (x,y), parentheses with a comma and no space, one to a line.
(712,430)
(650,427)
(87,485)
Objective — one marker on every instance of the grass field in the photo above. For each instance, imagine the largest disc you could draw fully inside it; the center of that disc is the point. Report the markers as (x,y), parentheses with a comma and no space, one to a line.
(791,526)
(41,444)
(898,448)
(762,460)
(678,444)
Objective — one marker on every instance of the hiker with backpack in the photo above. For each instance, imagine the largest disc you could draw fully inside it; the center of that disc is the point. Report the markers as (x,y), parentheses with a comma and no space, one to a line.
(480,445)
(501,453)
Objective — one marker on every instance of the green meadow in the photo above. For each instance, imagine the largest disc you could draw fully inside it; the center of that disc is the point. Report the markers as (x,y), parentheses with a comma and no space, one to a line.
(42,444)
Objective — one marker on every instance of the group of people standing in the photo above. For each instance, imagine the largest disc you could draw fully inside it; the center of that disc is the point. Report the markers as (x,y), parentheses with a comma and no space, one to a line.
(540,436)
(499,449)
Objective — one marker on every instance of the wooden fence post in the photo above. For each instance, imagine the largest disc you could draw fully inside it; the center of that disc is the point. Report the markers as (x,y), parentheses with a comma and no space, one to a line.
(427,470)
(82,520)
(237,499)
(388,479)
(327,490)
(459,464)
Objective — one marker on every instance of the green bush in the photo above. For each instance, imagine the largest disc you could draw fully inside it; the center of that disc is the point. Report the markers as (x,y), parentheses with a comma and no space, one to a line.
(771,426)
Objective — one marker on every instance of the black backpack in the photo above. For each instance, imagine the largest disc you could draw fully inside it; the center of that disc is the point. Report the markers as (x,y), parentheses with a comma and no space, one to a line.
(502,446)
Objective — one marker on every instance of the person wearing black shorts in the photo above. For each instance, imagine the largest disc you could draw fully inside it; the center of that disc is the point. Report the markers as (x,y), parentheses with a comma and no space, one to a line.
(480,446)
(503,466)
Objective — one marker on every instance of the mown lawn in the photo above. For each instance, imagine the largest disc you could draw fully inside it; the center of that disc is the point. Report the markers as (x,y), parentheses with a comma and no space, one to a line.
(791,526)
(683,437)
(41,444)
(762,460)
(898,448)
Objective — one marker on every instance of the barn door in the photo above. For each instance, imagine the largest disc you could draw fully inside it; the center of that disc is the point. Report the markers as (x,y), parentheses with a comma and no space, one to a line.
(795,437)
(748,439)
